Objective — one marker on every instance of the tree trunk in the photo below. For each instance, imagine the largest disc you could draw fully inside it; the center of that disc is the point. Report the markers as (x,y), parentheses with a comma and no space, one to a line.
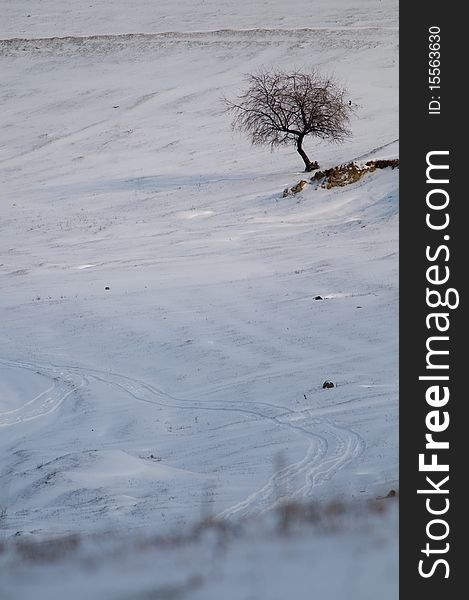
(302,153)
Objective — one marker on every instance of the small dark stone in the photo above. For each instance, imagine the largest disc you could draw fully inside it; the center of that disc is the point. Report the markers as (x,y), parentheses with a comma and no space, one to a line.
(107,288)
(318,298)
(391,494)
(327,384)
(359,306)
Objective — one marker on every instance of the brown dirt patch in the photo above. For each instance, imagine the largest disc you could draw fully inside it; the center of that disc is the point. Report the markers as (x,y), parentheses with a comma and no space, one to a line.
(350,172)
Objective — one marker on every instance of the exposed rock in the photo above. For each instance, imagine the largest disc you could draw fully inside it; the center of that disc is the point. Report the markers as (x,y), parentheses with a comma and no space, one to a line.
(391,494)
(299,187)
(350,173)
(384,163)
(327,385)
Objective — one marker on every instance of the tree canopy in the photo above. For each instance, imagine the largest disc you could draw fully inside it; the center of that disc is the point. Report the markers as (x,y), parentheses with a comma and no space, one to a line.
(280,108)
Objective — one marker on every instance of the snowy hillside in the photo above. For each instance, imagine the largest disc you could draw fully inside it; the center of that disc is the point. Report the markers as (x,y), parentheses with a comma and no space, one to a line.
(161,352)
(49,18)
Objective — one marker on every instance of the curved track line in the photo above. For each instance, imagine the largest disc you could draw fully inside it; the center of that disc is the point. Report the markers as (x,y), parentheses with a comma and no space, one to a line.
(277,485)
(16,410)
(46,402)
(331,447)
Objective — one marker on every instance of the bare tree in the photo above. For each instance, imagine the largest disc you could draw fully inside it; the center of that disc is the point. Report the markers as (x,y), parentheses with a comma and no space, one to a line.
(280,108)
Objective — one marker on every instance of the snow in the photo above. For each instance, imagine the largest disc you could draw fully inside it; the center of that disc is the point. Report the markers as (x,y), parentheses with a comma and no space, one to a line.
(350,560)
(51,18)
(196,378)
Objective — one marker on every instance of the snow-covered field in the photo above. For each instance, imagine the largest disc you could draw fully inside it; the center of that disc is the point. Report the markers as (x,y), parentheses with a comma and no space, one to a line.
(161,352)
(348,556)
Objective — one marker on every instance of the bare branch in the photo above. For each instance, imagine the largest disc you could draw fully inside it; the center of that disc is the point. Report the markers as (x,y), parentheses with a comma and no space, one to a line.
(279,108)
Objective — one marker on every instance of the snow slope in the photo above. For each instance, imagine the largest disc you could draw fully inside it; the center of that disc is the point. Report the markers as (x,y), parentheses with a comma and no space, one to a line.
(194,382)
(352,557)
(48,18)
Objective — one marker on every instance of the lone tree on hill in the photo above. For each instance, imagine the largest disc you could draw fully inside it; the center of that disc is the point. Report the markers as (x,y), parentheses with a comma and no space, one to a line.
(279,108)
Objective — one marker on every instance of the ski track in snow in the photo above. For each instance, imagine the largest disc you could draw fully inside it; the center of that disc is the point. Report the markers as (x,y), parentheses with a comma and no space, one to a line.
(331,446)
(161,349)
(63,385)
(121,170)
